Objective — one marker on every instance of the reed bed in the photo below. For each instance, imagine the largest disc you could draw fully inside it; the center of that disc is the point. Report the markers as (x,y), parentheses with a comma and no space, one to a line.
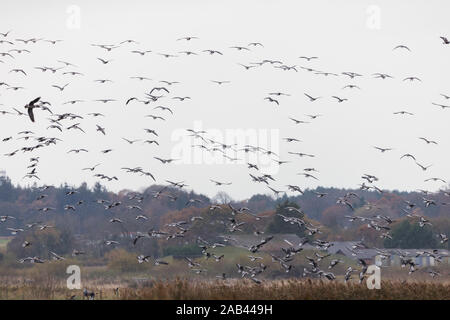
(233,289)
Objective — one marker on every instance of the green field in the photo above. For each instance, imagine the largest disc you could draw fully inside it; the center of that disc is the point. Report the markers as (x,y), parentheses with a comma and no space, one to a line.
(4,242)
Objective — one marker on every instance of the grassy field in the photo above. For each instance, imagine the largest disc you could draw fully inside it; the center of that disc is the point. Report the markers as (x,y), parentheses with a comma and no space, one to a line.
(4,242)
(177,281)
(289,289)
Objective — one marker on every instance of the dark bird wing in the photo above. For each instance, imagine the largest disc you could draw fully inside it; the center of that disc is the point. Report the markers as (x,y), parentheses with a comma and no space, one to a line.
(30,113)
(35,100)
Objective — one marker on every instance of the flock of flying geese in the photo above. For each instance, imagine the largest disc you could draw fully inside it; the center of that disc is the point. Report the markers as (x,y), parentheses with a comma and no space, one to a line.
(12,48)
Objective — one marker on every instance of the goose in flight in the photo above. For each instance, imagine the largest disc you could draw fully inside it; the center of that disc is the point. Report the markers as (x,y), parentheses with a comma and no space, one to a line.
(67,64)
(151,141)
(105,100)
(252,166)
(169,83)
(339,99)
(142,53)
(129,41)
(351,86)
(334,263)
(404,113)
(180,184)
(218,183)
(77,151)
(279,94)
(239,48)
(11,43)
(73,73)
(164,161)
(18,71)
(428,141)
(211,52)
(408,155)
(53,70)
(312,99)
(73,102)
(181,98)
(140,78)
(4,35)
(401,47)
(32,260)
(15,88)
(107,47)
(320,194)
(382,76)
(246,67)
(424,168)
(131,141)
(443,238)
(75,126)
(188,53)
(308,58)
(270,99)
(100,129)
(167,55)
(187,38)
(412,79)
(96,114)
(52,41)
(435,179)
(307,175)
(131,99)
(110,242)
(277,192)
(155,117)
(91,168)
(103,80)
(290,209)
(30,106)
(141,258)
(151,132)
(164,108)
(313,116)
(383,149)
(298,121)
(295,188)
(220,82)
(292,140)
(6,54)
(326,74)
(445,40)
(440,105)
(56,257)
(351,75)
(159,89)
(302,154)
(15,231)
(192,201)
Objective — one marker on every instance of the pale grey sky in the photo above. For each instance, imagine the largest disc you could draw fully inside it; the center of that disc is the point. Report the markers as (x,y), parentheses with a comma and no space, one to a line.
(357,36)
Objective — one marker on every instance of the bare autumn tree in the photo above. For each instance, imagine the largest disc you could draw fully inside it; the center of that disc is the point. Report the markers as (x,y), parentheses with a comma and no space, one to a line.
(222,198)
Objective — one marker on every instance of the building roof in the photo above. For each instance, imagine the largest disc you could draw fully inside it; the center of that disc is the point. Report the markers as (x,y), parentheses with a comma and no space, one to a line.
(344,248)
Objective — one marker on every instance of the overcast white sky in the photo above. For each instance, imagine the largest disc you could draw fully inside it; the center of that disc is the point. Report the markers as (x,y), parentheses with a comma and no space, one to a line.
(357,36)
